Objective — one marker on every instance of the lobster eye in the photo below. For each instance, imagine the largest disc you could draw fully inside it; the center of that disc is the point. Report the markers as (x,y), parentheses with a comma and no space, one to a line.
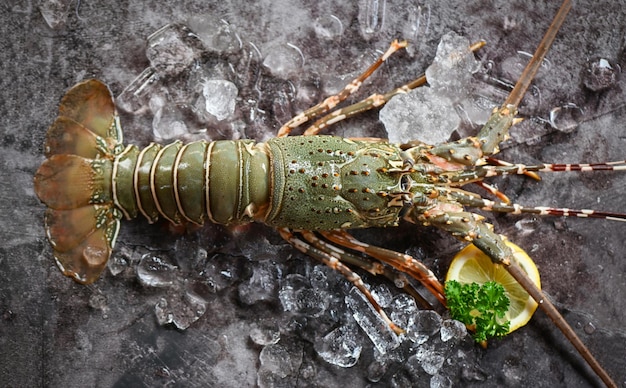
(405,183)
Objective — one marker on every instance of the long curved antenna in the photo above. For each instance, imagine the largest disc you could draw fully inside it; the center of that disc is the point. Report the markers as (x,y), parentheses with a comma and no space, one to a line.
(516,95)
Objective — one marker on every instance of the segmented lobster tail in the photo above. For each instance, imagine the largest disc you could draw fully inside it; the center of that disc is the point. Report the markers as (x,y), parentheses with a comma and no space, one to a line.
(75,181)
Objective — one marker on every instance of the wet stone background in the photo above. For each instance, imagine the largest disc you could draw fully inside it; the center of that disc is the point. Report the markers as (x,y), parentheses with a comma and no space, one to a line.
(238,307)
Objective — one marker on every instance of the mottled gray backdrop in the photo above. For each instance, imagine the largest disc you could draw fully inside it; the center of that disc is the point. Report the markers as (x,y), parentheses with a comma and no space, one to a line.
(230,286)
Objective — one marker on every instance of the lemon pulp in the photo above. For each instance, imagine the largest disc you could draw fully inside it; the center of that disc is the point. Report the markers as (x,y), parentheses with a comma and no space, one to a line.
(472,265)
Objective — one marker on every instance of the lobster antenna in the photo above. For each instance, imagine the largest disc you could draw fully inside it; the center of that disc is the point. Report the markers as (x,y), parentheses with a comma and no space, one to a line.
(473,200)
(516,95)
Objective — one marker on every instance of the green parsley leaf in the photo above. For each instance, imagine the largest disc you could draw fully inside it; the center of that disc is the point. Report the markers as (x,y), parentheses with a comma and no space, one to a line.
(479,306)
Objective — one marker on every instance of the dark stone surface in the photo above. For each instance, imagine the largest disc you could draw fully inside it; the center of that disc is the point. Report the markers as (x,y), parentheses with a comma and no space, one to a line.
(54,332)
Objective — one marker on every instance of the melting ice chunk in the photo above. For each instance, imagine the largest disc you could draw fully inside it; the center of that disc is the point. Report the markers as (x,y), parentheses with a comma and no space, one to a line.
(264,335)
(340,347)
(296,295)
(452,329)
(284,61)
(173,121)
(426,324)
(429,114)
(136,97)
(403,310)
(280,364)
(429,359)
(453,66)
(371,322)
(440,381)
(220,97)
(180,310)
(217,35)
(172,49)
(55,12)
(262,285)
(154,271)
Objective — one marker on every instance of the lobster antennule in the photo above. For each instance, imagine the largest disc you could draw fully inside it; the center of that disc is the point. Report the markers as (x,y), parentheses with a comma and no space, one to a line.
(75,181)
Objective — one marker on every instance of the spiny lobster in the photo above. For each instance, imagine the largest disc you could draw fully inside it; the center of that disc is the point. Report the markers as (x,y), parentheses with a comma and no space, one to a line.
(305,186)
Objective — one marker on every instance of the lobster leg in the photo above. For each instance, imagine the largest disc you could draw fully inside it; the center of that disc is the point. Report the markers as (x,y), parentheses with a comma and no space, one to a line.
(471,150)
(332,259)
(332,101)
(365,262)
(470,227)
(372,102)
(493,191)
(400,261)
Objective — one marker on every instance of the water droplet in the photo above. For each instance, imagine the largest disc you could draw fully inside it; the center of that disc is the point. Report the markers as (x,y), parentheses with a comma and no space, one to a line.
(328,27)
(526,226)
(565,118)
(120,261)
(98,301)
(284,61)
(589,328)
(376,370)
(220,272)
(154,271)
(600,75)
(512,67)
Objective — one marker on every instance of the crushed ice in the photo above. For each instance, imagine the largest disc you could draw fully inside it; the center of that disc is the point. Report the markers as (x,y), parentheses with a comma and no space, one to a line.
(371,322)
(55,12)
(172,49)
(340,347)
(262,285)
(431,114)
(210,96)
(280,364)
(219,98)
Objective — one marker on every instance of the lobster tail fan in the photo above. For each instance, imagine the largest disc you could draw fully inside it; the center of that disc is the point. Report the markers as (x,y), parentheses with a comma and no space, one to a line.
(82,240)
(68,181)
(66,136)
(90,104)
(81,221)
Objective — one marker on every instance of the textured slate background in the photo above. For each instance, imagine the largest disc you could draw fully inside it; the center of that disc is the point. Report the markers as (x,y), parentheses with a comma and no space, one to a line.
(56,333)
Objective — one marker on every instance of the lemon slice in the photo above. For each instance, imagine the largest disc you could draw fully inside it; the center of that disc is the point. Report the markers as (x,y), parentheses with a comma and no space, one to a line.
(472,265)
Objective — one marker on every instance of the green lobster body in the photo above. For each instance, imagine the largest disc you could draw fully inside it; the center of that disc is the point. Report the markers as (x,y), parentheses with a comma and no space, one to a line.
(326,182)
(223,181)
(314,183)
(90,181)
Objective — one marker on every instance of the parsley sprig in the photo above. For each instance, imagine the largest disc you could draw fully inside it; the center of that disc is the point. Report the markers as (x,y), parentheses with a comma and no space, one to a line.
(479,306)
